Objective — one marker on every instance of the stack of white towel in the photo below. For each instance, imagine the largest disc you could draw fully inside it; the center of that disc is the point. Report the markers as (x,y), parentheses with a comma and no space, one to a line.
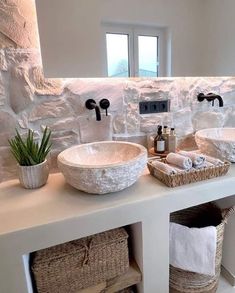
(184,161)
(193,249)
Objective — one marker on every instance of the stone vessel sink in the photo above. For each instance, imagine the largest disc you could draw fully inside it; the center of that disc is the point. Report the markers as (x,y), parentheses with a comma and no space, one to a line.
(102,167)
(217,142)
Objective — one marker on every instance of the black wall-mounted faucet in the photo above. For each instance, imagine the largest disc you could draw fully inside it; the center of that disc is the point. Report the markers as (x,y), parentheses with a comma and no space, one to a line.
(210,98)
(91,104)
(104,104)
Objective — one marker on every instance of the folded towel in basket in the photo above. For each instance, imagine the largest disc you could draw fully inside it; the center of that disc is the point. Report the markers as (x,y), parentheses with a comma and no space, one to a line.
(204,165)
(178,169)
(197,159)
(193,249)
(180,161)
(164,167)
(214,161)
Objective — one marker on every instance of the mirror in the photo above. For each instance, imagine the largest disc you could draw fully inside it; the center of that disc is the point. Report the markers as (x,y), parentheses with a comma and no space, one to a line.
(192,37)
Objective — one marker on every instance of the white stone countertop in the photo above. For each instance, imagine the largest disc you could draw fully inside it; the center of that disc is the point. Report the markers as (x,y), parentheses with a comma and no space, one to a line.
(22,209)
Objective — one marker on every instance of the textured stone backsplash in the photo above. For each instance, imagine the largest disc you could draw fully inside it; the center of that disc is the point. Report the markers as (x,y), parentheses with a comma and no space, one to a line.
(18,24)
(27,100)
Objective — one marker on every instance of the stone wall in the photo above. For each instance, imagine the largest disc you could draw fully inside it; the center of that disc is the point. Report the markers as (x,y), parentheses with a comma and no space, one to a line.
(18,24)
(28,100)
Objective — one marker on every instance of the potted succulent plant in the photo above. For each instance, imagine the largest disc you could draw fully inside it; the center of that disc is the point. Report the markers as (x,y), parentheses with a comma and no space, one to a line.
(31,157)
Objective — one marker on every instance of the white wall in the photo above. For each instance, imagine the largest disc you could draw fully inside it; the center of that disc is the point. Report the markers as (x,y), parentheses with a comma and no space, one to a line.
(65,27)
(220,29)
(65,46)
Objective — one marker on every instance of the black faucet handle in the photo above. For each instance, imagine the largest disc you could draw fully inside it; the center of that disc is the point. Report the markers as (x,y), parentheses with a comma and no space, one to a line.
(90,104)
(200,97)
(104,104)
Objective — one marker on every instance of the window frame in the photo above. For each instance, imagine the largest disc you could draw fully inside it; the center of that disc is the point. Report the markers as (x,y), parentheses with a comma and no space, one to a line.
(133,31)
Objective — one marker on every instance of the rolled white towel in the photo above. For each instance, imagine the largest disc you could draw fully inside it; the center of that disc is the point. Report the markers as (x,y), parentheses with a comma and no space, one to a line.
(204,165)
(197,159)
(180,161)
(164,167)
(214,161)
(178,169)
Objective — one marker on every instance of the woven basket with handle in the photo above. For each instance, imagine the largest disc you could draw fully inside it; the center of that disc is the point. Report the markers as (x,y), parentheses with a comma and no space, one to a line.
(78,264)
(200,216)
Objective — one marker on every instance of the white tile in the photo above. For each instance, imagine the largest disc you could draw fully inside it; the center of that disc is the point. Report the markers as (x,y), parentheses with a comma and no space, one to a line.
(225,287)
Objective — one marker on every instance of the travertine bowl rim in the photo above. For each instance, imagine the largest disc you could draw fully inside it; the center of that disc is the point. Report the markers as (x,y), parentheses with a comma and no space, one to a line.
(202,134)
(143,153)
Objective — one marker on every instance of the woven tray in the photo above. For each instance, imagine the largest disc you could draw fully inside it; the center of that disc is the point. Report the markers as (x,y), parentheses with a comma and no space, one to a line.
(82,263)
(187,177)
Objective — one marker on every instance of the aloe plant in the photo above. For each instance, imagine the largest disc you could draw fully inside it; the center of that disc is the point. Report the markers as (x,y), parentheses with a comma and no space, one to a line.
(28,152)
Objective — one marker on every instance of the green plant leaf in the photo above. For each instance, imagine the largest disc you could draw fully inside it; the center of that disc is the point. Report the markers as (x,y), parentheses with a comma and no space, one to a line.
(28,152)
(44,144)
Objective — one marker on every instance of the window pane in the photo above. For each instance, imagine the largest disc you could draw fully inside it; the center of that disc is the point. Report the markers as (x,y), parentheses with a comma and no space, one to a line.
(117,55)
(148,55)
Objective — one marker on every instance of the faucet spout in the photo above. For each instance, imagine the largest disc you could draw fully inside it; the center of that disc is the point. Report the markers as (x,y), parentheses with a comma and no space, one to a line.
(211,98)
(221,102)
(91,104)
(97,112)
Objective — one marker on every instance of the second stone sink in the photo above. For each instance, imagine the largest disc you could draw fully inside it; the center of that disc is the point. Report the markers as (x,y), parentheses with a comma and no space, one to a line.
(217,142)
(103,167)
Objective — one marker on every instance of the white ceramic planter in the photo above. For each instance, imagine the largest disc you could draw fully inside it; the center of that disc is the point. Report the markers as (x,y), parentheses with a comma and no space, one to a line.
(34,176)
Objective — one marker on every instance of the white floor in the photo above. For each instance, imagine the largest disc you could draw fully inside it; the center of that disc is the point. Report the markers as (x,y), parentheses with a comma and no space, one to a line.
(225,287)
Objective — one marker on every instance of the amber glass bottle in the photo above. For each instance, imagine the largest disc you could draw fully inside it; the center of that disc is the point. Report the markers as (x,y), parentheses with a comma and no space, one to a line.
(159,142)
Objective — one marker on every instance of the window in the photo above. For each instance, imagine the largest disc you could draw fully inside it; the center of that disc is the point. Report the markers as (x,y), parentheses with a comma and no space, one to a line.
(135,51)
(147,56)
(117,55)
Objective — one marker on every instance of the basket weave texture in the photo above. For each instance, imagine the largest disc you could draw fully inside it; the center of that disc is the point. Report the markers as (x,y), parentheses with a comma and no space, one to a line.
(82,263)
(187,177)
(200,216)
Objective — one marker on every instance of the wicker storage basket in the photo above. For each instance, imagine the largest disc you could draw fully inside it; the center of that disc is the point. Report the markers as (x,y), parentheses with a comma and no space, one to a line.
(69,267)
(187,177)
(200,216)
(127,290)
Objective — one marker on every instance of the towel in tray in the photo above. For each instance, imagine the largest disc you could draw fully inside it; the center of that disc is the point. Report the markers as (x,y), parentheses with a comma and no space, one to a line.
(197,159)
(214,161)
(193,249)
(164,167)
(179,161)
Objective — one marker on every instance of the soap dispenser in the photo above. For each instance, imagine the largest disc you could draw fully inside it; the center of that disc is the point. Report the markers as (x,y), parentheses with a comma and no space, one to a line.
(172,141)
(165,134)
(159,142)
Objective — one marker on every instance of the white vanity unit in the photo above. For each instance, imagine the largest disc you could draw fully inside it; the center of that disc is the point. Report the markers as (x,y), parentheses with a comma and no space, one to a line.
(56,213)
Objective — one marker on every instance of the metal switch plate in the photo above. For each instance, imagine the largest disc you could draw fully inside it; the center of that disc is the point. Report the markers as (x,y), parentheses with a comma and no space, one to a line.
(149,107)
